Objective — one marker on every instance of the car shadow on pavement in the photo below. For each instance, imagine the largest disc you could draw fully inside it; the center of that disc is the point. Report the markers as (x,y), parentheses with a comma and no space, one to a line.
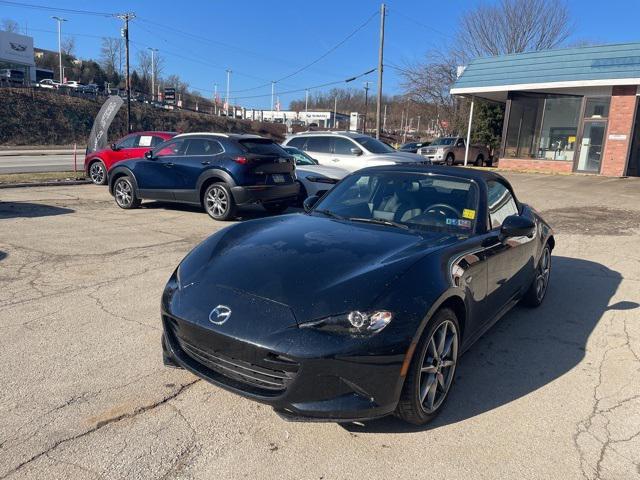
(30,210)
(3,255)
(528,348)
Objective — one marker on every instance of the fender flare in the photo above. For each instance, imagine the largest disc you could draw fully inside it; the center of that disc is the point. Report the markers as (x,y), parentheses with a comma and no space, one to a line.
(116,171)
(217,173)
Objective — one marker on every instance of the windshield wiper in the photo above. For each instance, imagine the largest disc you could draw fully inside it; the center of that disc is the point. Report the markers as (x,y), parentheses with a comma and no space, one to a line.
(379,221)
(329,213)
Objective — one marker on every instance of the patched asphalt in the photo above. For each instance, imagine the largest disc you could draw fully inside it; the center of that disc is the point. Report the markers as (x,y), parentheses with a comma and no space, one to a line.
(548,393)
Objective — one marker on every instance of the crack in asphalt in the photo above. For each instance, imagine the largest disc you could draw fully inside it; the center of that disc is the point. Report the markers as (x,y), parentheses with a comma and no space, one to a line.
(101,424)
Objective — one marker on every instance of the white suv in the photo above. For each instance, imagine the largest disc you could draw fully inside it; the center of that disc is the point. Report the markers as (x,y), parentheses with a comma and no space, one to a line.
(349,150)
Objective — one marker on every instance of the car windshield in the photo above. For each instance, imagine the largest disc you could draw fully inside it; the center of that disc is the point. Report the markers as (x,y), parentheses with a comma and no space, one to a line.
(262,146)
(443,141)
(419,201)
(300,157)
(373,145)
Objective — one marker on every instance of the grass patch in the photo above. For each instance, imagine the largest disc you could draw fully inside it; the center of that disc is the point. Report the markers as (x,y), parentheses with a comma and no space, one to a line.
(39,177)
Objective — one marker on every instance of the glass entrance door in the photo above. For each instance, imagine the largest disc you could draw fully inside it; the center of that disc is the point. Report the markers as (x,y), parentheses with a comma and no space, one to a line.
(592,146)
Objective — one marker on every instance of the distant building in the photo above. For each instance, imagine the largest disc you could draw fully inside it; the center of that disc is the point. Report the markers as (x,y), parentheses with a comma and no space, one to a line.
(16,54)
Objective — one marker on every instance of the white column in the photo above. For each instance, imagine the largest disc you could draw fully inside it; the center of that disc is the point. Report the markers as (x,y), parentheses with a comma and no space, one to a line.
(466,147)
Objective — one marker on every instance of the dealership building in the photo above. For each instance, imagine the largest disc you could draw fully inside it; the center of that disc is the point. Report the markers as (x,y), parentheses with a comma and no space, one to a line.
(566,110)
(16,54)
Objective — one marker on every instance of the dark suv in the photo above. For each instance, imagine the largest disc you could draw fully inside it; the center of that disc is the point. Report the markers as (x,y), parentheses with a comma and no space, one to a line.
(218,171)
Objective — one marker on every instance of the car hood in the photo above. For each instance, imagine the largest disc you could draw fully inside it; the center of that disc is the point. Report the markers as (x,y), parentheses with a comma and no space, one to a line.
(326,170)
(311,264)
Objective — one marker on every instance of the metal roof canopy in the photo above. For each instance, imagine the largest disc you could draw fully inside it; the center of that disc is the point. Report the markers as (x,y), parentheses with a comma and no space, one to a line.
(566,68)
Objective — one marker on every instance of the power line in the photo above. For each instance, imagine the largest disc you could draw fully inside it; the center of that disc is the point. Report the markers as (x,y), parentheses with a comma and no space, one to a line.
(57,9)
(423,25)
(324,55)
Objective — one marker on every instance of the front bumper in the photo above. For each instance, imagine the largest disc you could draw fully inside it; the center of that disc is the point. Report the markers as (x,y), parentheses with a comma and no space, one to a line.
(303,374)
(244,195)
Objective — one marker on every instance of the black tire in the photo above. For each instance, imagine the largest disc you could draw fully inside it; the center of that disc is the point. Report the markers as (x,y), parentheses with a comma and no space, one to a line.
(479,161)
(275,208)
(536,292)
(450,160)
(218,202)
(125,194)
(413,406)
(98,173)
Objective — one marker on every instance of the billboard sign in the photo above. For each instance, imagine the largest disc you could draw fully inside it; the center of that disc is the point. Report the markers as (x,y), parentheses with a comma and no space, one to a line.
(170,95)
(16,48)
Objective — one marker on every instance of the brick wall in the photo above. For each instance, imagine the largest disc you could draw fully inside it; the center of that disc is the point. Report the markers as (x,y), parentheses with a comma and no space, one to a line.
(558,166)
(621,118)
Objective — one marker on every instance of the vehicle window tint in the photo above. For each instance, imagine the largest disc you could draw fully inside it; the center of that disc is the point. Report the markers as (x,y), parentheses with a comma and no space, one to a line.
(174,148)
(156,141)
(202,146)
(501,203)
(297,142)
(261,146)
(128,142)
(374,145)
(318,144)
(343,146)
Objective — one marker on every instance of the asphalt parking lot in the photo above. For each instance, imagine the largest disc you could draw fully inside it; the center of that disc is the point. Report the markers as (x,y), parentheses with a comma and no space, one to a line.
(548,393)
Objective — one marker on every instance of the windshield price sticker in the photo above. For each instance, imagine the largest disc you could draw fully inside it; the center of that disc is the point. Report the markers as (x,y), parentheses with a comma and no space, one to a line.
(468,213)
(459,222)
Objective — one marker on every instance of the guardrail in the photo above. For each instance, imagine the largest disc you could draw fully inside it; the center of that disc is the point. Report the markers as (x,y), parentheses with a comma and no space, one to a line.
(18,153)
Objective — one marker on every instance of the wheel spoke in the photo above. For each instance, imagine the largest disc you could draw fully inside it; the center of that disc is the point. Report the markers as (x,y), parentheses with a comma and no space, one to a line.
(434,350)
(440,378)
(443,336)
(431,394)
(429,369)
(448,363)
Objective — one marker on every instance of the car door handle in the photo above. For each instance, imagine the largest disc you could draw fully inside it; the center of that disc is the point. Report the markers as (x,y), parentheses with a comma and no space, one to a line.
(205,162)
(168,164)
(335,159)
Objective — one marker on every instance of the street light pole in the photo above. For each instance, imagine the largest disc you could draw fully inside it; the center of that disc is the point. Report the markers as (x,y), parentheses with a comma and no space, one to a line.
(306,100)
(153,73)
(366,106)
(273,90)
(335,111)
(60,20)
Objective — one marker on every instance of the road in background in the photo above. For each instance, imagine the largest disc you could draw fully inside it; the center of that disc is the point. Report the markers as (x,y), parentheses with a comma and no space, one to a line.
(28,161)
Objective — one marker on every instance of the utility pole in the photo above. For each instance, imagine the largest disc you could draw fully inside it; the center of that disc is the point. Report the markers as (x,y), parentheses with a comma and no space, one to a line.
(366,106)
(60,20)
(384,120)
(273,91)
(153,73)
(335,111)
(226,110)
(306,100)
(125,33)
(380,68)
(418,127)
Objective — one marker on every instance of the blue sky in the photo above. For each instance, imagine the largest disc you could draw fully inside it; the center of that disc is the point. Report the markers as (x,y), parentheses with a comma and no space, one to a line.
(266,40)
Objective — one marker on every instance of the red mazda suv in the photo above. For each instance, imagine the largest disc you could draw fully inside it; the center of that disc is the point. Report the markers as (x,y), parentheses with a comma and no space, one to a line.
(134,145)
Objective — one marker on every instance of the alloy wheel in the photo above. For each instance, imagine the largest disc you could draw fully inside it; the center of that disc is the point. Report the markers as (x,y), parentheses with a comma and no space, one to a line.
(438,366)
(217,201)
(124,193)
(542,274)
(97,174)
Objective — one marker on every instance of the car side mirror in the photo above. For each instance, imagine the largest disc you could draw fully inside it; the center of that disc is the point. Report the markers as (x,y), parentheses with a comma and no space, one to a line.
(114,147)
(356,151)
(516,226)
(310,202)
(148,154)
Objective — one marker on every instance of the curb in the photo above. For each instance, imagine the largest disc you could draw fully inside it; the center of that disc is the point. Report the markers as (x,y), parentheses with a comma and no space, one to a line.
(45,184)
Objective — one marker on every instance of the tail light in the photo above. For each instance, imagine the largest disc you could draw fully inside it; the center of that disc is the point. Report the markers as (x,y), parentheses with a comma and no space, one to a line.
(241,160)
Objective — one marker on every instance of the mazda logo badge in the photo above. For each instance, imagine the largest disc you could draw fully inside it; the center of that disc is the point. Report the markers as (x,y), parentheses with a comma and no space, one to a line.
(220,314)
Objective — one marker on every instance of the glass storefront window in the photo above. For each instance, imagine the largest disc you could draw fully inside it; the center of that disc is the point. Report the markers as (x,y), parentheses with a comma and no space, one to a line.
(543,126)
(559,128)
(597,107)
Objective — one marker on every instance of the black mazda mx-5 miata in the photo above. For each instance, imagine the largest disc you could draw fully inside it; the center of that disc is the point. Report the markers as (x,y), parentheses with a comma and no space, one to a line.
(361,306)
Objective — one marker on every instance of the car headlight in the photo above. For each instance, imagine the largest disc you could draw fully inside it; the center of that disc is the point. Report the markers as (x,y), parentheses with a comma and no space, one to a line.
(354,323)
(322,180)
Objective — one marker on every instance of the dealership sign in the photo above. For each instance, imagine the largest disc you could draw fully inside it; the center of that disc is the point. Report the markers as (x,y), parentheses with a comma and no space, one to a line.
(15,48)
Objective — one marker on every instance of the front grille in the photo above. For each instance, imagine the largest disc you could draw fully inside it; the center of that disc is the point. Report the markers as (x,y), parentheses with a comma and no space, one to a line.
(270,377)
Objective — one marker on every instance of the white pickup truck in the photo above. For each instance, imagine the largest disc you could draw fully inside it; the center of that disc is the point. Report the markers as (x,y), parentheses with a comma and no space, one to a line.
(451,150)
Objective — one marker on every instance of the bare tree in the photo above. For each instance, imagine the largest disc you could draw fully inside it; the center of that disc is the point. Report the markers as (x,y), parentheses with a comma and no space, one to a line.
(513,26)
(68,46)
(9,25)
(110,53)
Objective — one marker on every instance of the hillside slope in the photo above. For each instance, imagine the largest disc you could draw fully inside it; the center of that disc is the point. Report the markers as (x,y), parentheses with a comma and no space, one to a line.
(36,117)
